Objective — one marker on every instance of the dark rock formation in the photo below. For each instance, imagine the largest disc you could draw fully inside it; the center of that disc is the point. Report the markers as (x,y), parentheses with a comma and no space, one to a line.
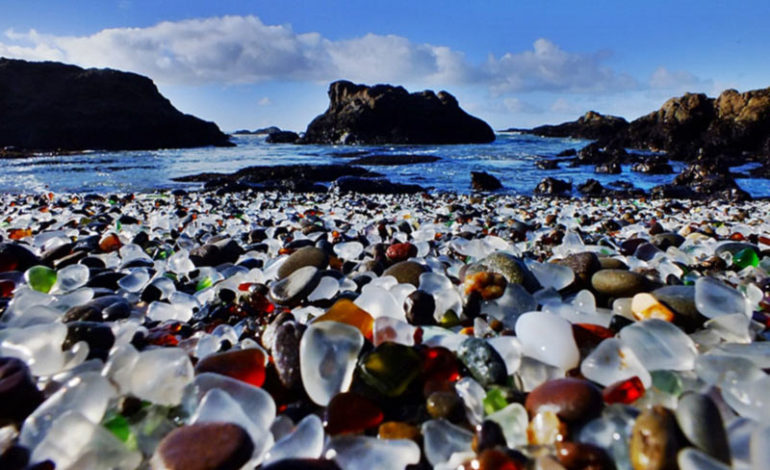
(483,181)
(53,106)
(591,188)
(553,187)
(653,166)
(282,137)
(547,164)
(694,124)
(703,180)
(591,125)
(597,154)
(608,168)
(260,174)
(393,159)
(355,184)
(381,114)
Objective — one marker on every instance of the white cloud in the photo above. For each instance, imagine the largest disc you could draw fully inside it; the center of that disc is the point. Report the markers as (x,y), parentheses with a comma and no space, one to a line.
(677,80)
(265,101)
(242,49)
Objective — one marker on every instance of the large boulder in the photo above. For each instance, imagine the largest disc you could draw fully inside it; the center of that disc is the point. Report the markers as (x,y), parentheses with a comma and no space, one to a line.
(591,125)
(53,106)
(384,114)
(694,124)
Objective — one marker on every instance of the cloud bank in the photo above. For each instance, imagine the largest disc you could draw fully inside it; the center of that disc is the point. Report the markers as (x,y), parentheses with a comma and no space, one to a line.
(242,49)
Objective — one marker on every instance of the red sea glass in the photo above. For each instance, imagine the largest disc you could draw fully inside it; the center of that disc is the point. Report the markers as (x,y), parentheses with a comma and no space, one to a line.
(246,365)
(625,392)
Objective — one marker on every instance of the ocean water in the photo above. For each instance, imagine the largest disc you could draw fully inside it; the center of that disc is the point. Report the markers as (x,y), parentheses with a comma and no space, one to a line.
(511,158)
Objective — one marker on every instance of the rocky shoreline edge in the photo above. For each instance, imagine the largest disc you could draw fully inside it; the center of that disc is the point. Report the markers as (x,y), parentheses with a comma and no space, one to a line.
(294,330)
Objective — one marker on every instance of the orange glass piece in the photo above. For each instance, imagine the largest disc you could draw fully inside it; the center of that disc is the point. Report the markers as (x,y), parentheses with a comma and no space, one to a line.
(110,242)
(398,430)
(246,365)
(345,311)
(19,233)
(351,413)
(625,391)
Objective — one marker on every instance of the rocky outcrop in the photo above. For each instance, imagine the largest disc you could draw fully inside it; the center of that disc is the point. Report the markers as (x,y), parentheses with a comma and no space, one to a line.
(553,187)
(703,180)
(591,125)
(384,114)
(53,106)
(694,124)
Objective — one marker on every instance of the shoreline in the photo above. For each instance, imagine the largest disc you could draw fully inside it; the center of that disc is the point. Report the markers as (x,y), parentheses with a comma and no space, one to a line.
(436,316)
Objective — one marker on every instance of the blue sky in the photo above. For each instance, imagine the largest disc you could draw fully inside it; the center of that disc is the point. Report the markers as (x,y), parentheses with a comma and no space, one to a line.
(249,64)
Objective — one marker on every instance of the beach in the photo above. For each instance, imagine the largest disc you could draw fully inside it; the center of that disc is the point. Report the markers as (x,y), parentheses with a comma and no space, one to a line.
(328,330)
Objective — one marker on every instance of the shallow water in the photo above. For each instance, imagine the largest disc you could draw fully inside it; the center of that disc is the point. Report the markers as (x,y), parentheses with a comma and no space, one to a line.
(511,158)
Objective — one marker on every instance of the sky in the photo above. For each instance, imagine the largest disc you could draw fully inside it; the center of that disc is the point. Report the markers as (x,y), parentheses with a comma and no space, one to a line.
(251,64)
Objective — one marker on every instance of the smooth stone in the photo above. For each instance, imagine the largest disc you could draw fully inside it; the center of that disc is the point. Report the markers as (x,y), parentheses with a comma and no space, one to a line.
(611,263)
(619,283)
(303,257)
(400,251)
(659,345)
(108,307)
(680,299)
(444,404)
(286,354)
(398,430)
(700,421)
(655,440)
(296,286)
(99,337)
(583,265)
(351,413)
(667,239)
(546,428)
(204,446)
(328,354)
(483,361)
(514,270)
(420,307)
(548,338)
(18,394)
(406,272)
(390,368)
(246,365)
(713,298)
(570,398)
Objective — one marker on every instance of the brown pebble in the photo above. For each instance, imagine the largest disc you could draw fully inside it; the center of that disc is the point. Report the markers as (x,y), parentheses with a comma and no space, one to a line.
(204,446)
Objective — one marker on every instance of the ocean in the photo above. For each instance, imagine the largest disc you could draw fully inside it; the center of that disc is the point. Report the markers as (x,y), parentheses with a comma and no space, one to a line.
(511,158)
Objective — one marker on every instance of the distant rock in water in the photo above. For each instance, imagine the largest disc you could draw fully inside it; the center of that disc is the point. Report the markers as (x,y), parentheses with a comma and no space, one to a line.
(483,181)
(282,137)
(261,131)
(591,125)
(384,114)
(54,106)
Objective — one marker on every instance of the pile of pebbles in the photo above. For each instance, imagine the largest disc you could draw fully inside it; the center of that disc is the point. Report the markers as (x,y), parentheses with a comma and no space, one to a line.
(281,331)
